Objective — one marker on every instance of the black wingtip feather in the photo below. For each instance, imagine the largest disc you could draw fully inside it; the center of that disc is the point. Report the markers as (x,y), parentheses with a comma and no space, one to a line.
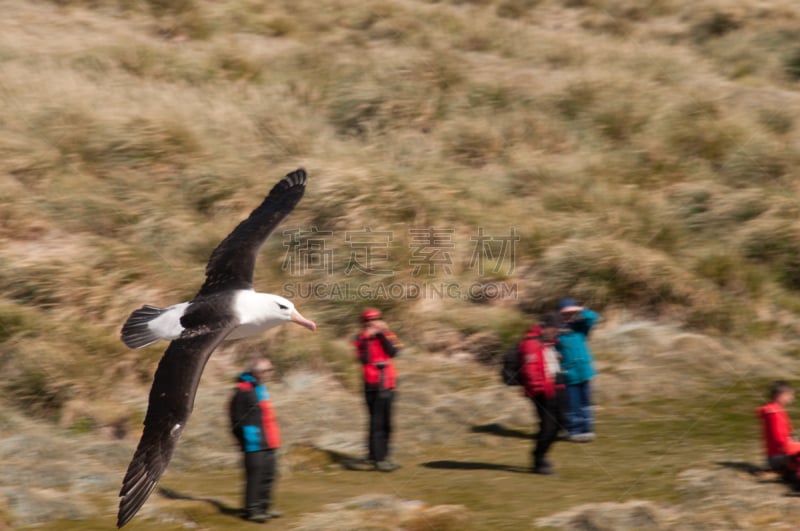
(291,180)
(130,505)
(297,177)
(137,486)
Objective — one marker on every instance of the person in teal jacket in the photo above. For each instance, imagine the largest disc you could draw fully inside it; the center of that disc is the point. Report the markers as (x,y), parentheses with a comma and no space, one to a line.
(577,365)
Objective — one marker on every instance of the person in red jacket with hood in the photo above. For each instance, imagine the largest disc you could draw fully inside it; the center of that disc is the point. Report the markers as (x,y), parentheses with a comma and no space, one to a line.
(782,450)
(376,347)
(539,367)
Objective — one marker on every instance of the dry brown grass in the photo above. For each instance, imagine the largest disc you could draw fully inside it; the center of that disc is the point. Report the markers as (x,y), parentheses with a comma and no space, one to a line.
(642,167)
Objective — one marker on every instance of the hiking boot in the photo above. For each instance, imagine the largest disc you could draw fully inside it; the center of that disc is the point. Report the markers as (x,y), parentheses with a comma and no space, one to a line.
(274,514)
(359,464)
(258,518)
(543,467)
(581,437)
(386,466)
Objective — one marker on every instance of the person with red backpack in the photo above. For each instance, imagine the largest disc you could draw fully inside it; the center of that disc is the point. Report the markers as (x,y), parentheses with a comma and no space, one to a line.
(255,427)
(376,346)
(781,449)
(539,375)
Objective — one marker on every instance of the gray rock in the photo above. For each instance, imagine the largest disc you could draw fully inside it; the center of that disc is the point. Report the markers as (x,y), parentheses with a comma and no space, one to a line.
(32,506)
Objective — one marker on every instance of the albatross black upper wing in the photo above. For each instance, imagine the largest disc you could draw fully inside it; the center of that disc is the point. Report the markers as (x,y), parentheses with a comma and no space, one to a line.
(171,402)
(232,263)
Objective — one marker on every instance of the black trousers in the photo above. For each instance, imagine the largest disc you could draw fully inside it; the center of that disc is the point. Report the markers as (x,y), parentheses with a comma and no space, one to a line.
(551,418)
(379,405)
(260,471)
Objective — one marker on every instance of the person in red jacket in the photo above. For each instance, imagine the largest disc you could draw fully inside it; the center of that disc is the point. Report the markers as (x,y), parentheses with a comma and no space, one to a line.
(539,367)
(376,347)
(254,425)
(782,450)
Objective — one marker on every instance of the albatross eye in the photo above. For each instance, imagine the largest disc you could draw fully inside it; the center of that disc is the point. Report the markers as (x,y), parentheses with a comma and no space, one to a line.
(282,306)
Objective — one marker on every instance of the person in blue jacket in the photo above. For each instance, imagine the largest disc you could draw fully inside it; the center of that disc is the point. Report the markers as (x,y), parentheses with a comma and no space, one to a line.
(577,364)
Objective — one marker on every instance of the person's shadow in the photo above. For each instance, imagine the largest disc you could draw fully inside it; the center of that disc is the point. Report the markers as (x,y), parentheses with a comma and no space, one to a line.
(501,431)
(743,466)
(763,475)
(472,465)
(221,507)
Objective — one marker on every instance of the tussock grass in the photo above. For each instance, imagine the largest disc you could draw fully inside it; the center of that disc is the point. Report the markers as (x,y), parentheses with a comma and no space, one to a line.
(606,272)
(16,320)
(645,153)
(775,243)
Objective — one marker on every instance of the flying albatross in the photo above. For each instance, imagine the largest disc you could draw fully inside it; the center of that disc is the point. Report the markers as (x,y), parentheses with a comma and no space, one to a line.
(226,307)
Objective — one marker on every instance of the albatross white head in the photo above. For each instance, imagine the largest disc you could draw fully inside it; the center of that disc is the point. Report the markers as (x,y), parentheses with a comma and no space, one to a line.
(258,312)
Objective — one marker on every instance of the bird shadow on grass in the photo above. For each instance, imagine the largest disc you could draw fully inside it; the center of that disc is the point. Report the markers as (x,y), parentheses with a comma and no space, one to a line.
(221,507)
(501,431)
(472,465)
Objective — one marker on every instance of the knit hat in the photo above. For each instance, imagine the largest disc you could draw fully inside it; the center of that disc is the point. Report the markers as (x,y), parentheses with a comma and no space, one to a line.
(370,314)
(568,305)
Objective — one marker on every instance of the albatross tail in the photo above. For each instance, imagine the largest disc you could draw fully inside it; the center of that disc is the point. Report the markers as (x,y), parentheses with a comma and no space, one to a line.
(135,332)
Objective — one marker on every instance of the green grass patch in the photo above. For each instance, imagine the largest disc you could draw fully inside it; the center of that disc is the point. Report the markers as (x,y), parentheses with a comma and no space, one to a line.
(639,454)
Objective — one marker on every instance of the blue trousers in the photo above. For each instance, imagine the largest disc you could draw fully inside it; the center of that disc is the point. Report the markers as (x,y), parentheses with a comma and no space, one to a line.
(580,418)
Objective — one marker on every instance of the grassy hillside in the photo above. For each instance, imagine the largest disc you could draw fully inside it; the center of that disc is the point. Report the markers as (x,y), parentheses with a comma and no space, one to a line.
(644,157)
(639,156)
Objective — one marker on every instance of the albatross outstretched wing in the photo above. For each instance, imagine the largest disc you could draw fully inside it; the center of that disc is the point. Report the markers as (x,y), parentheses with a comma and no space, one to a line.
(171,402)
(206,323)
(232,263)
